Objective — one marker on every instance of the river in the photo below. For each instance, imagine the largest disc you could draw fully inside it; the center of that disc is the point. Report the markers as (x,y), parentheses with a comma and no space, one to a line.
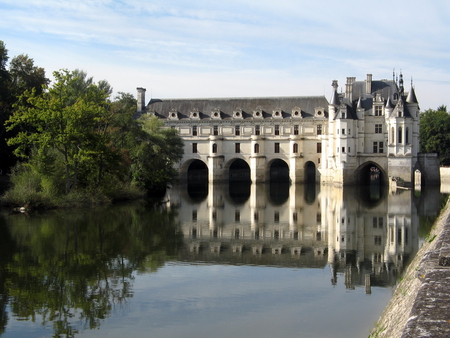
(239,260)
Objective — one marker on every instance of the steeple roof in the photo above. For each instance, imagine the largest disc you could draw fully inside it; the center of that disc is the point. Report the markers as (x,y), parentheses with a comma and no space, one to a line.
(411,96)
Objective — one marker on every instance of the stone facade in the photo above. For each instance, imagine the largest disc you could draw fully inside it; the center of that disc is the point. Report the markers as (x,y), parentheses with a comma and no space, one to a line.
(370,131)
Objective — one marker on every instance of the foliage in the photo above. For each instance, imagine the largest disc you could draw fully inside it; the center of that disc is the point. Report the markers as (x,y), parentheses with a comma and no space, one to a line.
(78,145)
(19,76)
(435,132)
(71,269)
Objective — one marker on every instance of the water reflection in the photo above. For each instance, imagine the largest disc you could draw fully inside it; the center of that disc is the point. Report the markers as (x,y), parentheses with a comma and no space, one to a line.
(69,271)
(357,231)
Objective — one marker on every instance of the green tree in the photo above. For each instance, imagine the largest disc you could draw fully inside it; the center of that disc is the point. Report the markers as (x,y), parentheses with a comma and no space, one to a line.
(435,132)
(71,116)
(20,75)
(154,156)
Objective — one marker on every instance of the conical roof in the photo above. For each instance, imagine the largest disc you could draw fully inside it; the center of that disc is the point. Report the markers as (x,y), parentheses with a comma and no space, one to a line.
(411,96)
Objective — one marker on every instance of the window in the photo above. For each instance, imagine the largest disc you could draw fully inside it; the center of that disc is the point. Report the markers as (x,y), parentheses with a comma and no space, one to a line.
(194,147)
(236,234)
(343,115)
(194,215)
(378,128)
(378,147)
(295,148)
(400,134)
(277,147)
(343,131)
(407,136)
(276,217)
(319,129)
(237,215)
(343,150)
(319,147)
(216,130)
(257,129)
(237,130)
(296,129)
(214,148)
(237,147)
(377,240)
(294,216)
(277,129)
(194,130)
(256,148)
(378,111)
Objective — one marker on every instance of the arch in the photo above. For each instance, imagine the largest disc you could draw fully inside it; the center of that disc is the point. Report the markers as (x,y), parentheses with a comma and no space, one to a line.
(238,170)
(371,173)
(256,148)
(194,170)
(295,148)
(278,171)
(214,148)
(310,172)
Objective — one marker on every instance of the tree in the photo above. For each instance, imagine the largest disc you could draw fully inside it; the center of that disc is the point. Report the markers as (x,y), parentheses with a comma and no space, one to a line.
(435,132)
(15,79)
(70,116)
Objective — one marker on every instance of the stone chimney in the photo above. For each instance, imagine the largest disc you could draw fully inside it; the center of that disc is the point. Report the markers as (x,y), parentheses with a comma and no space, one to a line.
(349,87)
(369,84)
(140,99)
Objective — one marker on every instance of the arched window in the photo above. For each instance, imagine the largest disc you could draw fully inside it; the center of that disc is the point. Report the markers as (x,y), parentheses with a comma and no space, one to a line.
(392,135)
(295,148)
(256,148)
(214,148)
(400,135)
(407,136)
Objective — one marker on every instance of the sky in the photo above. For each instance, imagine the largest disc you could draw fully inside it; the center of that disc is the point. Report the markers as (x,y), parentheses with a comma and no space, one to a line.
(236,48)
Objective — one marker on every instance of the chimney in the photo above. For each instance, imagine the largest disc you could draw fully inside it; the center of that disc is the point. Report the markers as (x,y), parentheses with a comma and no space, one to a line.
(140,99)
(349,87)
(369,84)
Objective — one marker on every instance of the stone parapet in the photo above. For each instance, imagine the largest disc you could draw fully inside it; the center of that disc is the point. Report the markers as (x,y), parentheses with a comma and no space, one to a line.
(420,306)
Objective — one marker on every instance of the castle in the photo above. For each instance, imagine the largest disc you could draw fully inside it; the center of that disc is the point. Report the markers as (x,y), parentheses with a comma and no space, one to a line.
(370,131)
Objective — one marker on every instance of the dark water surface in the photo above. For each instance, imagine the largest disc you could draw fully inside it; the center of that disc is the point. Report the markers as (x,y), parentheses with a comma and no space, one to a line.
(212,261)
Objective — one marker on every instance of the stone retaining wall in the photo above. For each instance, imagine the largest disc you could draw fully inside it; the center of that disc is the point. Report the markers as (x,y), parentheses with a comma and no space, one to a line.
(420,306)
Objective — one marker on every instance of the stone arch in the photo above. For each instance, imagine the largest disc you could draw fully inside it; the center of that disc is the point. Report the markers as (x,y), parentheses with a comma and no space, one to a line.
(237,169)
(194,170)
(310,172)
(277,170)
(371,173)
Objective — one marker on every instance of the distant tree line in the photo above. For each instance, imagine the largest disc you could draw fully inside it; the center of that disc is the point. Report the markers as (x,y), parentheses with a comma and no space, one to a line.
(71,141)
(435,133)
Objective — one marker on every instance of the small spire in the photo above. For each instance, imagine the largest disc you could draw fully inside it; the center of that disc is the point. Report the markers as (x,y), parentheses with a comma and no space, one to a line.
(359,105)
(412,96)
(335,97)
(389,104)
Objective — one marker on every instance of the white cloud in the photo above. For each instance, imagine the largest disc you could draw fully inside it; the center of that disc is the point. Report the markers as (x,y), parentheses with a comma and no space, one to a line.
(245,47)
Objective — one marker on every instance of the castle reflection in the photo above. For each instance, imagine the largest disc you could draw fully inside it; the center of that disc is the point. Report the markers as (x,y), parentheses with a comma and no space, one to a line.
(365,236)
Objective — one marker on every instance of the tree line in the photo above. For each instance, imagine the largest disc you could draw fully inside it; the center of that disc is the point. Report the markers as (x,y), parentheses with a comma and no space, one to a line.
(70,140)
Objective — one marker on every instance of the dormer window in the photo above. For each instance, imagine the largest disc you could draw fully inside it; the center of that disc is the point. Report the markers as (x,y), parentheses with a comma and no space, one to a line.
(237,114)
(258,113)
(277,113)
(215,114)
(173,115)
(296,112)
(319,112)
(378,110)
(194,114)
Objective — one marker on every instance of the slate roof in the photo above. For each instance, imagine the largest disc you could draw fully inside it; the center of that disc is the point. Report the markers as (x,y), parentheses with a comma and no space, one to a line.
(307,104)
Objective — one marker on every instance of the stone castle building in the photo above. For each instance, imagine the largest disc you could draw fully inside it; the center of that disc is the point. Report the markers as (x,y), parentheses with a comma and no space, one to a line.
(368,132)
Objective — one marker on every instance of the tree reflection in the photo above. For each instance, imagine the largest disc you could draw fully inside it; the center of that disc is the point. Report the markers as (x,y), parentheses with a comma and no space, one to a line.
(76,268)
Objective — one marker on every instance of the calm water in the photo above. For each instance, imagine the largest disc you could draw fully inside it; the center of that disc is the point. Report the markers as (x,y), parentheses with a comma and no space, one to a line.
(212,261)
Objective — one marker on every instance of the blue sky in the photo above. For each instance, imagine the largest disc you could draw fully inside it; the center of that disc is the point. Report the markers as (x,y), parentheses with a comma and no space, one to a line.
(236,48)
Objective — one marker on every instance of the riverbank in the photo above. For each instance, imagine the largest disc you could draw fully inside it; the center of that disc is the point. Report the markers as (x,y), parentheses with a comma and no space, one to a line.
(420,306)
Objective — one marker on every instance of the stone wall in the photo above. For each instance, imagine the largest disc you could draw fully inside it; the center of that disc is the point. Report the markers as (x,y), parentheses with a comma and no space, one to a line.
(420,305)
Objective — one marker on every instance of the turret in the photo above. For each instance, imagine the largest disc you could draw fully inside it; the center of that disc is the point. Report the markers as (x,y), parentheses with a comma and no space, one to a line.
(389,107)
(360,109)
(334,102)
